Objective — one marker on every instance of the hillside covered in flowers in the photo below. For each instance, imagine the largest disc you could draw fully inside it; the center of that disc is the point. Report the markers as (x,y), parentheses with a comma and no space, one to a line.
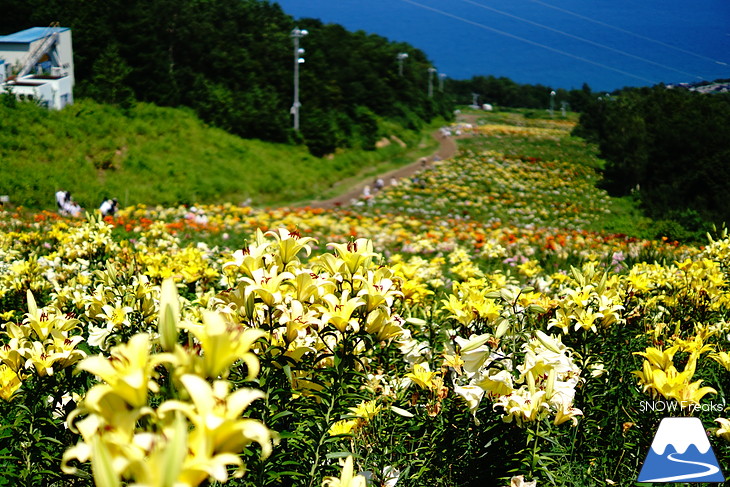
(468,326)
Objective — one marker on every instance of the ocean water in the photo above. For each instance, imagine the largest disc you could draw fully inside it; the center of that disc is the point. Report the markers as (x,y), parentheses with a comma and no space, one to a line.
(608,44)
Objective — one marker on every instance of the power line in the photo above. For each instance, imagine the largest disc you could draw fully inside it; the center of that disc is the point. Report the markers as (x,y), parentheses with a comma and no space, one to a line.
(528,41)
(640,36)
(582,39)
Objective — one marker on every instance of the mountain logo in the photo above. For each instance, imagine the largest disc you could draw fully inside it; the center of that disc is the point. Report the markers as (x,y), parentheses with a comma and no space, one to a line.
(680,452)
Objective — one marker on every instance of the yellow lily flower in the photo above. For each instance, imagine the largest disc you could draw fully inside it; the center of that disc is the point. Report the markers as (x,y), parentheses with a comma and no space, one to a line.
(115,316)
(219,430)
(497,382)
(567,413)
(382,325)
(128,371)
(356,255)
(9,382)
(288,245)
(723,358)
(267,284)
(347,477)
(523,406)
(724,430)
(163,456)
(422,376)
(458,310)
(251,258)
(297,320)
(11,354)
(223,344)
(693,393)
(308,286)
(366,410)
(38,358)
(169,315)
(63,349)
(659,358)
(343,427)
(376,292)
(339,310)
(43,322)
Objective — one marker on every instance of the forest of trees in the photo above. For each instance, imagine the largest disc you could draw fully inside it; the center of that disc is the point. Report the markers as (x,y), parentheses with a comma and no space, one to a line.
(503,92)
(231,61)
(670,147)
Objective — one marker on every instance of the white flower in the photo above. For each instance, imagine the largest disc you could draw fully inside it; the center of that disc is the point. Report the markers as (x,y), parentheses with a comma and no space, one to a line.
(519,481)
(473,396)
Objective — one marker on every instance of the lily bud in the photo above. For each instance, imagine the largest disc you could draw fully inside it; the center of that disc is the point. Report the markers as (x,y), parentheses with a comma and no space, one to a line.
(169,315)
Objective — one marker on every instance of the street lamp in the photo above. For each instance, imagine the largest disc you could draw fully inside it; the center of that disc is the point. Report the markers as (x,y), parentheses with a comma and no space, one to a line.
(442,76)
(401,57)
(552,103)
(297,34)
(431,71)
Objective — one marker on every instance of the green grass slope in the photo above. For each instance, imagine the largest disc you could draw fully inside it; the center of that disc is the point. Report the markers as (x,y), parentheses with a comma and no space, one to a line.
(153,155)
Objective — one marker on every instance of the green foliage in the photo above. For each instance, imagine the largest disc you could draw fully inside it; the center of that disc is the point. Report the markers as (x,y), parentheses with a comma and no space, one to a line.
(152,155)
(108,83)
(33,433)
(231,62)
(504,92)
(669,147)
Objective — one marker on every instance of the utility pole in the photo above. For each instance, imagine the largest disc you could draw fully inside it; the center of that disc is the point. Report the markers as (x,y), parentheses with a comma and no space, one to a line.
(552,103)
(431,71)
(297,34)
(401,57)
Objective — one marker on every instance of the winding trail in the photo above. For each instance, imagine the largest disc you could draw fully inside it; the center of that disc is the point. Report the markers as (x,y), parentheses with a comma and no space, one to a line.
(447,149)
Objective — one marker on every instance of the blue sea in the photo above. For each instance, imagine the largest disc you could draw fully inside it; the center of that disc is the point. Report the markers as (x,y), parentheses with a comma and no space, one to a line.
(608,44)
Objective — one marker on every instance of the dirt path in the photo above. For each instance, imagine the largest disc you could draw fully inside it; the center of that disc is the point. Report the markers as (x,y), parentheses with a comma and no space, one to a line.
(447,149)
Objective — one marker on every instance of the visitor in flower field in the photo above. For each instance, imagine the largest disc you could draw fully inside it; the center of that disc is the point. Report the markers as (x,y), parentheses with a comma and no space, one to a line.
(66,205)
(60,199)
(109,207)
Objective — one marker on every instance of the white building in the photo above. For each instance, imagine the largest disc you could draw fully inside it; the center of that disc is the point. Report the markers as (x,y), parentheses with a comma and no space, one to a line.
(37,64)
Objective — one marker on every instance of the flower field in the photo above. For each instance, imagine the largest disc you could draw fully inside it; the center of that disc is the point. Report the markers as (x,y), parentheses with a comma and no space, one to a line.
(460,328)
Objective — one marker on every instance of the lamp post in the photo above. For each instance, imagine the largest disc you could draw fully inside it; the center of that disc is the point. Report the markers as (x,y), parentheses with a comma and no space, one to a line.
(442,76)
(431,71)
(552,103)
(297,34)
(402,56)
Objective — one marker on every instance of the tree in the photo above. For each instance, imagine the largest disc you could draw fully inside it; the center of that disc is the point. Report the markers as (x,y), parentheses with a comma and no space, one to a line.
(109,79)
(669,146)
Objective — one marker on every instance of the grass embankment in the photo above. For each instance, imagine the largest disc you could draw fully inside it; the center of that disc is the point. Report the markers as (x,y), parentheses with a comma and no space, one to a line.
(153,155)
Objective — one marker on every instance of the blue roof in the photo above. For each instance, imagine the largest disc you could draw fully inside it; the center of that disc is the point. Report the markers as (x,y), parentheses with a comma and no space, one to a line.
(29,35)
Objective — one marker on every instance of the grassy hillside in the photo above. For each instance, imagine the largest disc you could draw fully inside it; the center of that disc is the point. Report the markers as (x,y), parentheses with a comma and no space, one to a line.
(153,155)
